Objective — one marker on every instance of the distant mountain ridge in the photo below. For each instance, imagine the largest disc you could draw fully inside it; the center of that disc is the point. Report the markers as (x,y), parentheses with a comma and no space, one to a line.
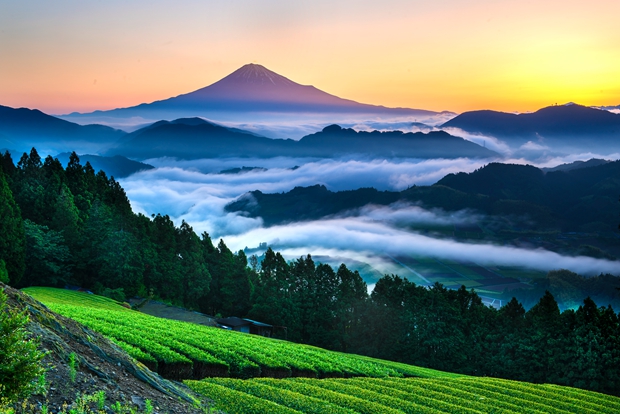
(251,89)
(196,138)
(575,165)
(567,125)
(23,128)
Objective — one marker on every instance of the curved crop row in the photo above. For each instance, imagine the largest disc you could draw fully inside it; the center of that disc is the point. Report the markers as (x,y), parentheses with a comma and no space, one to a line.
(409,395)
(353,402)
(429,395)
(409,403)
(551,398)
(237,402)
(461,392)
(291,399)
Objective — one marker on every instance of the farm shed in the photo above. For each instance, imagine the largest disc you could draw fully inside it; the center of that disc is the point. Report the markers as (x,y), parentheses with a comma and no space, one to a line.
(246,325)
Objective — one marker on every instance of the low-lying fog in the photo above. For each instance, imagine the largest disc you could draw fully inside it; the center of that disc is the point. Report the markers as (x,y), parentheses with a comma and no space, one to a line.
(196,192)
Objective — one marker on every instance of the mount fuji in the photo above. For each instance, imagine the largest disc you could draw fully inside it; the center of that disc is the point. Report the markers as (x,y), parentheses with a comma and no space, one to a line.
(251,93)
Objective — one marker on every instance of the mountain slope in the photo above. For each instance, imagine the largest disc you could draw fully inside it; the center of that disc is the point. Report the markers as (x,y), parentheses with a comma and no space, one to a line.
(22,129)
(251,89)
(99,365)
(195,138)
(576,165)
(562,125)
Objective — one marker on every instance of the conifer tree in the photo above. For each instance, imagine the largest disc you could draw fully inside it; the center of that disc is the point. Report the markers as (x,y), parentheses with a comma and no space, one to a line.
(12,242)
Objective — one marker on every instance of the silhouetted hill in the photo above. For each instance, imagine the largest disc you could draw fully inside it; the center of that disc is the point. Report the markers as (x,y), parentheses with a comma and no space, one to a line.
(116,166)
(582,199)
(22,129)
(593,162)
(577,197)
(435,144)
(197,138)
(242,170)
(307,203)
(567,125)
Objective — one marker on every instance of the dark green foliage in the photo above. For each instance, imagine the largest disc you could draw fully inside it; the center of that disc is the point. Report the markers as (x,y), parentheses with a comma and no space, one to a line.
(48,260)
(195,274)
(7,165)
(454,331)
(272,301)
(12,242)
(4,275)
(569,289)
(29,187)
(19,357)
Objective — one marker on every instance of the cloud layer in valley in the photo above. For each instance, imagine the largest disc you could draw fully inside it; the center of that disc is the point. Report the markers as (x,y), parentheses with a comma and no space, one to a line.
(359,237)
(196,192)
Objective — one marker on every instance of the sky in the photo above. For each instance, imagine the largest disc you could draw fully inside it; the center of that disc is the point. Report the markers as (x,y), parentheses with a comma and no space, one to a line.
(457,55)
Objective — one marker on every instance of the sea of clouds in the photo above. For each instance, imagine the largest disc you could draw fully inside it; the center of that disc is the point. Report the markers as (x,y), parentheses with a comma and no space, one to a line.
(196,191)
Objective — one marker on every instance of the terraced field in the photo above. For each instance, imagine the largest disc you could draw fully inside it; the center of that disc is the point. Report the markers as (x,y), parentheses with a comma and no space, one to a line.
(181,350)
(275,376)
(398,395)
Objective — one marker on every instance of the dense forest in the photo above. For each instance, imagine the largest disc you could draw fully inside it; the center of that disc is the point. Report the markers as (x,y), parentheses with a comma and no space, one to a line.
(75,226)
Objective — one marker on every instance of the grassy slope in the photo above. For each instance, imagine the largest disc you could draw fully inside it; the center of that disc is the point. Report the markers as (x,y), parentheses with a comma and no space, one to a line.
(365,384)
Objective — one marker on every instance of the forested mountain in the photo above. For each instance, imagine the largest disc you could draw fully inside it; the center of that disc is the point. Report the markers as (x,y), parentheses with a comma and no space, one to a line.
(577,200)
(194,138)
(74,226)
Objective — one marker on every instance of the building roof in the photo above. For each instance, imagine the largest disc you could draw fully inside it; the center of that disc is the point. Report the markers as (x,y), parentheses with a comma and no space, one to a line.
(235,322)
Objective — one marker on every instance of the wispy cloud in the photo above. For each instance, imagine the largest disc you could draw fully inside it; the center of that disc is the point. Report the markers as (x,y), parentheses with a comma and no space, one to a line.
(489,142)
(359,238)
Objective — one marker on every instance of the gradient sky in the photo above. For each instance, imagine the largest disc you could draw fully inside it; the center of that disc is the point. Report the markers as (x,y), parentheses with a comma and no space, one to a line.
(62,56)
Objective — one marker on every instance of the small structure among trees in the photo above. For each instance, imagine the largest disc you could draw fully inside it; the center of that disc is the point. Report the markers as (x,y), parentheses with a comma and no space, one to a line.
(246,325)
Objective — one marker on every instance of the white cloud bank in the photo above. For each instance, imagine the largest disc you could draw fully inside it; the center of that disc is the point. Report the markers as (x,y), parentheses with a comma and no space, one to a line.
(362,238)
(193,191)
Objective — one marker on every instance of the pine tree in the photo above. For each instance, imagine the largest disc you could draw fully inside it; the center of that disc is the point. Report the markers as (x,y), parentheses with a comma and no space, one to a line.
(196,277)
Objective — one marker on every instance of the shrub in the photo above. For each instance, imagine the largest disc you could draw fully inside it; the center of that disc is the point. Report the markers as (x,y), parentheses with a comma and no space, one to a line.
(19,357)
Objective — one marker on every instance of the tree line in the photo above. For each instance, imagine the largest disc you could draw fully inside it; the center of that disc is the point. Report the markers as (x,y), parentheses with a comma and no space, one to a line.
(75,226)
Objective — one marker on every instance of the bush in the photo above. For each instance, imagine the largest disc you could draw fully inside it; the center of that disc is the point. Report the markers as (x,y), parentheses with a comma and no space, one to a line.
(20,360)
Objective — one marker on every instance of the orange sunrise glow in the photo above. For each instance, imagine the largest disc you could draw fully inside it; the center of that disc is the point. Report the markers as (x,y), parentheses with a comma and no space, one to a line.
(452,55)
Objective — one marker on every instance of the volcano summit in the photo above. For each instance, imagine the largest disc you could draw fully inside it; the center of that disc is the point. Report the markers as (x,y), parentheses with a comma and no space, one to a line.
(250,93)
